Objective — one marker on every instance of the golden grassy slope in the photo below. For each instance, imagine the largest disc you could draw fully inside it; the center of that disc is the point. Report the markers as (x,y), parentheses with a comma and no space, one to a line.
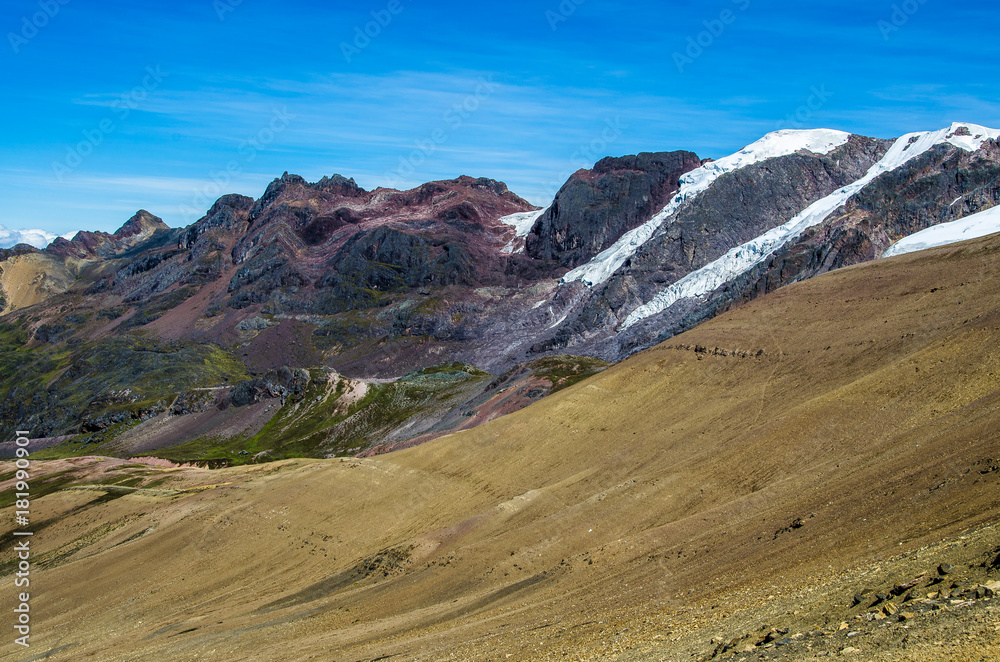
(864,402)
(29,279)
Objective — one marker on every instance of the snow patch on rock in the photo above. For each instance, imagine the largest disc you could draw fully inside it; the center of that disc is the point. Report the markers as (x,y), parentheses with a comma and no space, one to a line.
(971,227)
(522,222)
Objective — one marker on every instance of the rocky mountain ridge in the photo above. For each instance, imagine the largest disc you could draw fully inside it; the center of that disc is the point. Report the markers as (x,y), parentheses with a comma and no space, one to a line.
(379,284)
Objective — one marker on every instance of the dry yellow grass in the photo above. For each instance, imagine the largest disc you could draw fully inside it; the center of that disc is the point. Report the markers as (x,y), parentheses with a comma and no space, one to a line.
(26,280)
(865,402)
(29,279)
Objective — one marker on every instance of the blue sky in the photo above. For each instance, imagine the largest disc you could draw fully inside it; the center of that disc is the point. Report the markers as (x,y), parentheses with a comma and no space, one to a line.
(111,106)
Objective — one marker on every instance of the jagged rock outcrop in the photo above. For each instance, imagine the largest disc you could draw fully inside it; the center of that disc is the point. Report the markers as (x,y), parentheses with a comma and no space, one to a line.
(283,383)
(595,207)
(14,251)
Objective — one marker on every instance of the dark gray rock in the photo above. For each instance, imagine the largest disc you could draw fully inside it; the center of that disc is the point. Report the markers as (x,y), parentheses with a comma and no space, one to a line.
(596,207)
(387,259)
(255,323)
(284,383)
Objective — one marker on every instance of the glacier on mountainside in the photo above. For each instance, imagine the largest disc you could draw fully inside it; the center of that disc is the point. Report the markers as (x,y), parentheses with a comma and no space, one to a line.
(773,145)
(741,259)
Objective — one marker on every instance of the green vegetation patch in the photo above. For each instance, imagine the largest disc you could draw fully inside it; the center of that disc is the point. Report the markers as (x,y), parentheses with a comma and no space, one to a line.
(454,368)
(43,486)
(101,385)
(346,330)
(321,423)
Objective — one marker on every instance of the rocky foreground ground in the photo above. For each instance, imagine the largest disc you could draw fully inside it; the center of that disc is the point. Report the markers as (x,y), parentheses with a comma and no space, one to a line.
(941,602)
(938,603)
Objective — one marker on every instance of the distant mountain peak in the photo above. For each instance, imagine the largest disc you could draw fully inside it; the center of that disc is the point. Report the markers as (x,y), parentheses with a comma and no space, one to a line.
(142,223)
(91,245)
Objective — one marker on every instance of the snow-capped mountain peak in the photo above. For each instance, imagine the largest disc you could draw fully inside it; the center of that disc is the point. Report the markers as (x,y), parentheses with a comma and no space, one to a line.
(773,145)
(742,258)
(969,137)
